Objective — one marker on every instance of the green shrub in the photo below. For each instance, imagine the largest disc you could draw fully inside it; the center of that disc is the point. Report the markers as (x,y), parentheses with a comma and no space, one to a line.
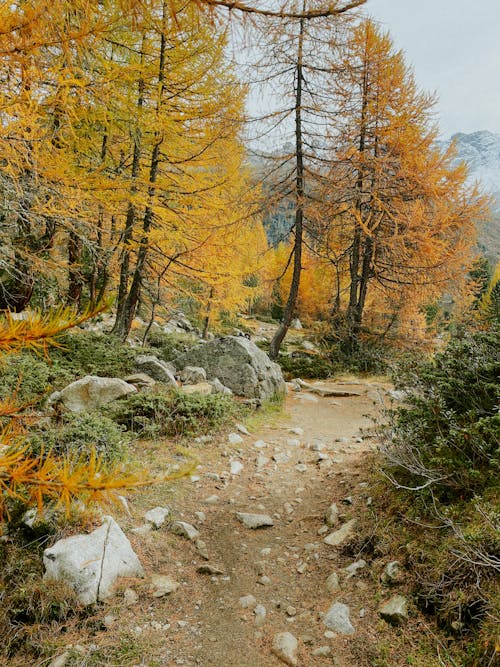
(89,353)
(29,376)
(173,413)
(170,346)
(79,434)
(306,365)
(447,436)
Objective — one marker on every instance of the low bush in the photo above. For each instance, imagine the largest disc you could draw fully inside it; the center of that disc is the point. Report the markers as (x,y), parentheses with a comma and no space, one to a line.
(173,413)
(170,346)
(29,377)
(306,365)
(79,435)
(89,353)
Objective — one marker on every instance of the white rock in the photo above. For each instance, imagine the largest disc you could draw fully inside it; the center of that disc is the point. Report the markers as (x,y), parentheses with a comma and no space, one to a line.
(234,439)
(322,652)
(235,467)
(337,619)
(281,457)
(395,610)
(339,536)
(296,430)
(260,615)
(211,500)
(157,516)
(247,602)
(293,442)
(184,530)
(242,429)
(90,564)
(355,567)
(61,660)
(285,648)
(163,585)
(254,520)
(130,597)
(332,583)
(392,573)
(91,393)
(301,467)
(260,444)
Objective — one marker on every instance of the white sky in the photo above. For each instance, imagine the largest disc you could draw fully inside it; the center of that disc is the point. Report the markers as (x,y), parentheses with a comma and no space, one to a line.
(454,48)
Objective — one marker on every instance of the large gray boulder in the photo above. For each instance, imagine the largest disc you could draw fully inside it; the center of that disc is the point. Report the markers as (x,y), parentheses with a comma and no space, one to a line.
(91,563)
(91,393)
(156,368)
(239,364)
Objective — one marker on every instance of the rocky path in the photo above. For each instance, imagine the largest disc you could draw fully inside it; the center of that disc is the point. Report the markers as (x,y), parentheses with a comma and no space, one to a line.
(229,595)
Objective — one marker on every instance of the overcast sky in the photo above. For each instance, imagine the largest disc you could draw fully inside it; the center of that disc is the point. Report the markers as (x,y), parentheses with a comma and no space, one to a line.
(454,47)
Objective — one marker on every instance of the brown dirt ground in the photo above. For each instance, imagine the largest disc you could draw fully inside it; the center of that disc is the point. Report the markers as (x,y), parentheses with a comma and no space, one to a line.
(207,626)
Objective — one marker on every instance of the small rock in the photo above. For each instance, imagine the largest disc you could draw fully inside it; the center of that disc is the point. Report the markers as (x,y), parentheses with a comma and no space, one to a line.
(235,467)
(61,660)
(130,597)
(291,611)
(234,439)
(157,516)
(285,648)
(264,580)
(355,567)
(261,461)
(362,613)
(260,615)
(260,444)
(201,516)
(348,500)
(242,429)
(395,610)
(337,619)
(254,520)
(201,548)
(163,585)
(301,568)
(301,467)
(322,652)
(184,530)
(281,457)
(109,620)
(332,583)
(247,602)
(211,500)
(288,508)
(296,430)
(339,536)
(392,573)
(293,442)
(332,515)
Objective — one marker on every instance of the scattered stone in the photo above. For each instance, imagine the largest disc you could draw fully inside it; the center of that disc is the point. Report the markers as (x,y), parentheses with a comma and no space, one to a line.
(264,580)
(184,530)
(219,388)
(362,613)
(301,568)
(242,429)
(288,508)
(332,515)
(260,444)
(323,530)
(130,597)
(192,375)
(339,536)
(296,430)
(156,368)
(140,380)
(260,615)
(322,652)
(254,520)
(395,610)
(296,324)
(109,620)
(201,548)
(91,393)
(285,648)
(235,467)
(332,583)
(234,439)
(348,500)
(392,573)
(157,516)
(247,602)
(301,467)
(209,569)
(307,345)
(261,461)
(239,364)
(337,619)
(293,442)
(61,660)
(291,611)
(201,516)
(202,388)
(318,446)
(91,563)
(353,569)
(211,500)
(281,457)
(163,585)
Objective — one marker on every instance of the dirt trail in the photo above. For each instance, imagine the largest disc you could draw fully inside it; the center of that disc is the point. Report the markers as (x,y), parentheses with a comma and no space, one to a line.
(284,567)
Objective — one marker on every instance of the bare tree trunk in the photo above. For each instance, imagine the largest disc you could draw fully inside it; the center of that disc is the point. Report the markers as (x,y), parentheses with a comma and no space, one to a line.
(275,345)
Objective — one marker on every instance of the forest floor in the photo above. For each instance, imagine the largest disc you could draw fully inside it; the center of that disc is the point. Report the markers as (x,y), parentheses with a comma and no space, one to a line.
(276,471)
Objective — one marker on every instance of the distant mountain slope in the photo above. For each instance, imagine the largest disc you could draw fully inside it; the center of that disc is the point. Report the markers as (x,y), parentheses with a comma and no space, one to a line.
(481,152)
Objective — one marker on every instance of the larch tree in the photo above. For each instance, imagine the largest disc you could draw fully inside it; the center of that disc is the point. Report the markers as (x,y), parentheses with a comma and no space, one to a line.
(398,221)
